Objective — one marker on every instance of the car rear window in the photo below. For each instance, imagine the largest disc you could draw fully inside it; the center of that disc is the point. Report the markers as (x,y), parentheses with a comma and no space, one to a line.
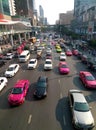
(17,90)
(90,78)
(82,107)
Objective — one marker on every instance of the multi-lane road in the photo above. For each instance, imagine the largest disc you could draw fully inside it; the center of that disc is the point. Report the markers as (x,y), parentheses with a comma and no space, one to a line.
(51,113)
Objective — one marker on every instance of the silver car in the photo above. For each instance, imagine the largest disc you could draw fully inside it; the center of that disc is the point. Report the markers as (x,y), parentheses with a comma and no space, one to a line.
(81,115)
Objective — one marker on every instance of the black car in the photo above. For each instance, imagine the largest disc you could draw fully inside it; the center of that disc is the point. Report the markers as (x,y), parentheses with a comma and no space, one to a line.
(92,65)
(2,62)
(41,87)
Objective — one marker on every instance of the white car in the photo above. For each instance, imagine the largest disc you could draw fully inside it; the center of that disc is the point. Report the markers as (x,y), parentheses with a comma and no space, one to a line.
(32,64)
(62,56)
(48,50)
(3,82)
(81,114)
(9,56)
(12,70)
(48,64)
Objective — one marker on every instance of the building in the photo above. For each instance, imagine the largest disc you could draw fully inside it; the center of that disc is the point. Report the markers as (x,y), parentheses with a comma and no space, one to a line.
(66,18)
(25,8)
(4,9)
(85,17)
(41,15)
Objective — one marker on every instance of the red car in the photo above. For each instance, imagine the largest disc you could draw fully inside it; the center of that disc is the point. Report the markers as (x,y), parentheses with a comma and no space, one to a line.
(18,93)
(88,79)
(63,68)
(68,52)
(75,52)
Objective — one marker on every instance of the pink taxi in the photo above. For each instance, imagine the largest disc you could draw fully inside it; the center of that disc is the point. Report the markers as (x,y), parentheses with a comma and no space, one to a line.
(88,79)
(18,93)
(63,68)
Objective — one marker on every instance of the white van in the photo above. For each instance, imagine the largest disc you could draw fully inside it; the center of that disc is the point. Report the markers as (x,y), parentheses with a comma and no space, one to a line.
(24,56)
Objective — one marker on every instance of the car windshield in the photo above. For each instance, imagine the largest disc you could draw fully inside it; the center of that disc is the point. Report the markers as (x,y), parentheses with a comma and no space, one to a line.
(48,62)
(10,69)
(31,62)
(82,107)
(17,90)
(90,78)
(22,56)
(64,66)
(62,54)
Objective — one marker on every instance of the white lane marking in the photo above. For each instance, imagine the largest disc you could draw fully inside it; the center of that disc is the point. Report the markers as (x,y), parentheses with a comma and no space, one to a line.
(64,120)
(29,119)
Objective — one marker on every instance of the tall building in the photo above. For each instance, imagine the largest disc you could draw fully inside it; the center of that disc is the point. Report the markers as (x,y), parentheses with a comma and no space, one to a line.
(41,14)
(25,8)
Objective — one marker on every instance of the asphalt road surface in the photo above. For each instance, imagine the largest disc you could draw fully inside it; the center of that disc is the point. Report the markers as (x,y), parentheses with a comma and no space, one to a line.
(51,113)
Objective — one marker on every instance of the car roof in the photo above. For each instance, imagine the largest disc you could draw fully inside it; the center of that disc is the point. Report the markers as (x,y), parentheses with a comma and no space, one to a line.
(20,83)
(79,97)
(32,59)
(48,60)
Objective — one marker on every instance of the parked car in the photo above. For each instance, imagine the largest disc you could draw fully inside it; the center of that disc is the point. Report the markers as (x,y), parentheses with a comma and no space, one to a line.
(48,51)
(48,64)
(9,56)
(62,56)
(12,70)
(88,79)
(58,49)
(41,87)
(91,64)
(3,82)
(68,52)
(63,68)
(75,52)
(32,64)
(79,55)
(82,117)
(2,62)
(84,59)
(18,93)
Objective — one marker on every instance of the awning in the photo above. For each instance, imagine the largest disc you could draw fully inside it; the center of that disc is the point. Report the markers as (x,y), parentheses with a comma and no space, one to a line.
(10,22)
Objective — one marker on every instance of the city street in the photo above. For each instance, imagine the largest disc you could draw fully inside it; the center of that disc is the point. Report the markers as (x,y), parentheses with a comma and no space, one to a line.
(52,112)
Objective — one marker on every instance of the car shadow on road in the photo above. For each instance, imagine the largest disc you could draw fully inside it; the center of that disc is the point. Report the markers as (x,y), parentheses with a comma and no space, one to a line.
(78,83)
(4,100)
(63,114)
(30,94)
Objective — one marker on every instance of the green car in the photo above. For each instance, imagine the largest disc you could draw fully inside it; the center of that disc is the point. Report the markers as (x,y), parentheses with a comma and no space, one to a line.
(58,50)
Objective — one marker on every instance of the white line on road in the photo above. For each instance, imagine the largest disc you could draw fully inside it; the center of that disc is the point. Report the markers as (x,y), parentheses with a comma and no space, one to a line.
(29,119)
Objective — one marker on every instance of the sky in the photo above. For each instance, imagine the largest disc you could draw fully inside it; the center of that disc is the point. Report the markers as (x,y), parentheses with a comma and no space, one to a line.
(52,8)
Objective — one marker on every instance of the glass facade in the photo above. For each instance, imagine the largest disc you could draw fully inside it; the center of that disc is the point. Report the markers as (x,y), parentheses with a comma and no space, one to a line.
(5,7)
